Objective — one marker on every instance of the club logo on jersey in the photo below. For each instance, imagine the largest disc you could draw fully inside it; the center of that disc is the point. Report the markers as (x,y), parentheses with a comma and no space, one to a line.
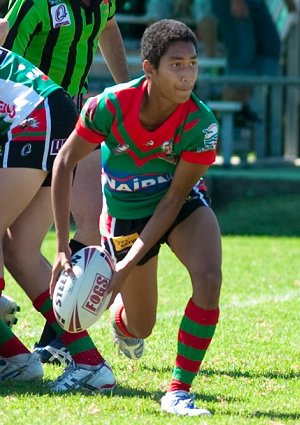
(121,149)
(30,122)
(210,137)
(167,147)
(168,154)
(60,15)
(7,109)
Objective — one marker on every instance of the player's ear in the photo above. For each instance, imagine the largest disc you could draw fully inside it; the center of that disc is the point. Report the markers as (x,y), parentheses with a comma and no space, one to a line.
(148,68)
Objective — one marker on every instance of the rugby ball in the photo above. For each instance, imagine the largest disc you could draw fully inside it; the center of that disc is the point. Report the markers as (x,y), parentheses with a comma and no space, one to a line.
(79,301)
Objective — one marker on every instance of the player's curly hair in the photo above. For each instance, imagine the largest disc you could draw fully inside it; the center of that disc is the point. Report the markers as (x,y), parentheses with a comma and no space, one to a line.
(158,36)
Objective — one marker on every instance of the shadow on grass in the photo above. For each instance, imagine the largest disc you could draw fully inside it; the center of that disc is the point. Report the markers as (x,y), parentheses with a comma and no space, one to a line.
(40,389)
(231,373)
(274,415)
(250,374)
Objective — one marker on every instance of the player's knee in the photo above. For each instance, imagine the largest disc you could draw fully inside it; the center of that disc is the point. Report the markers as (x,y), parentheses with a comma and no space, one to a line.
(17,254)
(207,279)
(87,228)
(11,252)
(142,330)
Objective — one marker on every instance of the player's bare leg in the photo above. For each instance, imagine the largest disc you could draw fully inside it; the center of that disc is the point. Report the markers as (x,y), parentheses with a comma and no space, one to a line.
(141,285)
(86,199)
(18,188)
(132,321)
(197,244)
(22,245)
(85,205)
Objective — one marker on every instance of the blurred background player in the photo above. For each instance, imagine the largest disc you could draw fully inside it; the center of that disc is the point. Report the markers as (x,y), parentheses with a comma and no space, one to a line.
(36,117)
(199,11)
(252,47)
(158,139)
(61,38)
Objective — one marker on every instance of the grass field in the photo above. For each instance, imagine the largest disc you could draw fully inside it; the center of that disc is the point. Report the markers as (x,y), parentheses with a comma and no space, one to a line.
(250,375)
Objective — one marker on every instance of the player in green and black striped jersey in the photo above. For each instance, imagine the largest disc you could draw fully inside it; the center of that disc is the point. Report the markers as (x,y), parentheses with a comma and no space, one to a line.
(61,38)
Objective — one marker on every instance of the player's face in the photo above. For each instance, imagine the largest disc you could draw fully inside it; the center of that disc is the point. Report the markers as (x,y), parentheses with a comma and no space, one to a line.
(177,72)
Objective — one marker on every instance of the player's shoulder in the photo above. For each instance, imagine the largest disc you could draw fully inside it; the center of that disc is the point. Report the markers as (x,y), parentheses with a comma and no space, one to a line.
(24,6)
(199,116)
(198,104)
(126,88)
(49,7)
(19,3)
(125,93)
(199,110)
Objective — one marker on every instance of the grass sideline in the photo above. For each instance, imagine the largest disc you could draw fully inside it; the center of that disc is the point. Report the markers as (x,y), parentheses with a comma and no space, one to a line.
(250,375)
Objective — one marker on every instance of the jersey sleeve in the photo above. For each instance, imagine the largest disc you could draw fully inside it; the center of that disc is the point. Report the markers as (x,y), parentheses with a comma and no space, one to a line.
(201,137)
(95,120)
(23,17)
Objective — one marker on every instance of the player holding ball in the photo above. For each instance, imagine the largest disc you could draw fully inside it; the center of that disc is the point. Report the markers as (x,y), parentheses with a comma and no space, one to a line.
(158,140)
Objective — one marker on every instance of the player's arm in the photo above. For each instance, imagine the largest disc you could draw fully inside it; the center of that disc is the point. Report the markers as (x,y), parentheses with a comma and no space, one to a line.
(112,48)
(4,27)
(186,176)
(69,155)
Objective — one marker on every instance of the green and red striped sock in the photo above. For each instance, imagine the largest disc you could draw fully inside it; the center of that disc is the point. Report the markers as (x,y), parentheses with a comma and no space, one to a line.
(2,283)
(10,345)
(116,317)
(80,345)
(195,334)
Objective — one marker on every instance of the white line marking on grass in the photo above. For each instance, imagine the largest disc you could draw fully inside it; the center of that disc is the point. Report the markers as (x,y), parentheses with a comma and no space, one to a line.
(279,298)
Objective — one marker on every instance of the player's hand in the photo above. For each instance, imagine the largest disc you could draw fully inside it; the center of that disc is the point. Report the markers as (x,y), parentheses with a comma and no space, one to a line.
(120,274)
(62,263)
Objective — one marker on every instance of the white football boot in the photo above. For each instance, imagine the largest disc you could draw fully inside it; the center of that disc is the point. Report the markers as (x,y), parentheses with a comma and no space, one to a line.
(181,403)
(85,378)
(133,348)
(8,310)
(22,367)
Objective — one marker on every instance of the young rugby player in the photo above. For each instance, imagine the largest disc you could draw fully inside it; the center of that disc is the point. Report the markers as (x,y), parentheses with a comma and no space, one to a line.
(61,38)
(36,117)
(158,140)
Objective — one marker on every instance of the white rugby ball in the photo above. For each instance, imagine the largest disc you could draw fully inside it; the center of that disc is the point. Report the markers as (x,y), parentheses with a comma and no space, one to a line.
(79,302)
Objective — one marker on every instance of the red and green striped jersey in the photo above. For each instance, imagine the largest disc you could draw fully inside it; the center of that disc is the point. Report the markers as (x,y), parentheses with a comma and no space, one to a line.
(22,88)
(59,36)
(139,164)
